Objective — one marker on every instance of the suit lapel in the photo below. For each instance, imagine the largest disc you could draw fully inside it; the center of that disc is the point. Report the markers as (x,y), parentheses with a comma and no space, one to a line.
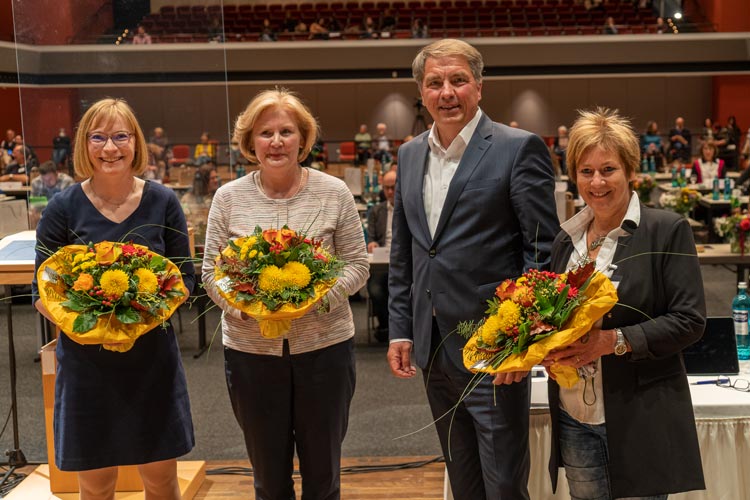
(417,192)
(477,147)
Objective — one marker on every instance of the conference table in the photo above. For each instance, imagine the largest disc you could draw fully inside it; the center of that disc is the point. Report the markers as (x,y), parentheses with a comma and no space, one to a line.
(719,254)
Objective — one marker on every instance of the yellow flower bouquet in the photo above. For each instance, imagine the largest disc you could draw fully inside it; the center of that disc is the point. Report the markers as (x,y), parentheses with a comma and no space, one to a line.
(109,293)
(275,276)
(533,315)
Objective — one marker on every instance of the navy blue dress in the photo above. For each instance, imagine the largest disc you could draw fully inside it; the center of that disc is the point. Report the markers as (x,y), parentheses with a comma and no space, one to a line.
(116,408)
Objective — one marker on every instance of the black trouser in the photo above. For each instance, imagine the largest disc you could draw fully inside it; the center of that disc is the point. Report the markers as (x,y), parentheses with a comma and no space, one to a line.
(377,287)
(283,402)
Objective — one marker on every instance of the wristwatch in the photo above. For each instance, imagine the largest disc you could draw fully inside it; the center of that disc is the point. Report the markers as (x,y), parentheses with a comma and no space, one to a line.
(621,347)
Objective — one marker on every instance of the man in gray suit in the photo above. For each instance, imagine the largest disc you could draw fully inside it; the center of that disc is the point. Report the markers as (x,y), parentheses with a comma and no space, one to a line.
(474,205)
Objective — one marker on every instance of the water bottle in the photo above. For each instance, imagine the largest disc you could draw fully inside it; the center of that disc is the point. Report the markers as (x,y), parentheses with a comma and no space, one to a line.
(715,193)
(644,165)
(651,164)
(240,170)
(727,189)
(675,182)
(740,310)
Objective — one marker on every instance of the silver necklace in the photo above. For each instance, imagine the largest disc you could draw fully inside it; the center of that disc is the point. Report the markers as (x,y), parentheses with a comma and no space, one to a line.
(110,203)
(597,243)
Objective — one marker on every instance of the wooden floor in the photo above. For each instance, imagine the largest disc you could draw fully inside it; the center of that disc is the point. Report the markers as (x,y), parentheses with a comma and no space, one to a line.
(422,483)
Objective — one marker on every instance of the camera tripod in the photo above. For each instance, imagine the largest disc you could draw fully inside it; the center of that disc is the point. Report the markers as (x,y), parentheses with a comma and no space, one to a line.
(419,125)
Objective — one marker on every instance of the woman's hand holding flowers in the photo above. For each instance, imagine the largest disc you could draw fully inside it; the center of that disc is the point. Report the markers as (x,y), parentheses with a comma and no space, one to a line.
(592,346)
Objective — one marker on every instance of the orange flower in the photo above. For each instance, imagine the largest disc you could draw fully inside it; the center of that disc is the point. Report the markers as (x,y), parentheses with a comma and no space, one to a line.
(84,283)
(281,236)
(107,253)
(505,289)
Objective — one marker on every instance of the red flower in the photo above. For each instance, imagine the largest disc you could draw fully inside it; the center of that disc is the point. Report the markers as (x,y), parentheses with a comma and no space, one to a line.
(245,287)
(129,250)
(745,224)
(169,282)
(320,256)
(138,306)
(504,290)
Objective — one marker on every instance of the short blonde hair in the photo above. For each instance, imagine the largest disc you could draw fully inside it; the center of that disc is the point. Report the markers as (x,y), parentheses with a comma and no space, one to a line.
(606,129)
(448,47)
(103,112)
(278,98)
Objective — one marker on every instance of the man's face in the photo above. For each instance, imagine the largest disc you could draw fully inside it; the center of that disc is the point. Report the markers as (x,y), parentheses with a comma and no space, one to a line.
(9,135)
(381,129)
(450,92)
(679,123)
(389,186)
(49,179)
(18,155)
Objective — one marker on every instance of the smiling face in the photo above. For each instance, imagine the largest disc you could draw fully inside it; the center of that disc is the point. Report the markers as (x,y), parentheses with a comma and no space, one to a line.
(451,94)
(111,157)
(604,184)
(276,139)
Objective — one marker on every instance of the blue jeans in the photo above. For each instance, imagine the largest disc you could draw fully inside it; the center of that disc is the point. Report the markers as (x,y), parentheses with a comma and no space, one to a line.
(585,457)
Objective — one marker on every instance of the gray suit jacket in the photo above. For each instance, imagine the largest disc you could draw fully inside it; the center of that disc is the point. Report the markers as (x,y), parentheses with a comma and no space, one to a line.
(498,220)
(377,223)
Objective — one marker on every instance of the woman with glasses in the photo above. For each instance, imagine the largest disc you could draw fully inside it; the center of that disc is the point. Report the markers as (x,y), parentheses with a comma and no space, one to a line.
(115,408)
(626,429)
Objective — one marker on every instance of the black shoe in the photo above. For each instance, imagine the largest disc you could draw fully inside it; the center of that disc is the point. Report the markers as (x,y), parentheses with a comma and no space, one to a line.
(381,334)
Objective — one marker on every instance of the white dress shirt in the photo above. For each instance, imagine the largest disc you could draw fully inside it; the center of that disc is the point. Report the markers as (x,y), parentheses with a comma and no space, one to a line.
(442,167)
(584,401)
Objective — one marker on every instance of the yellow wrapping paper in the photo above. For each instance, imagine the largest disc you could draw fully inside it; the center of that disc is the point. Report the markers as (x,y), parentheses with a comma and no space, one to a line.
(273,324)
(602,296)
(109,332)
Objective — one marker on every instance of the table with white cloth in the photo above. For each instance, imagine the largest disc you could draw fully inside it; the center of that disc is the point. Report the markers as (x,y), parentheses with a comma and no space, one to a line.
(723,423)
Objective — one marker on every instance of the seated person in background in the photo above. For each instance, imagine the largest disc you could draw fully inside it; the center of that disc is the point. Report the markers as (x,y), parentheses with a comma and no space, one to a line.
(610,28)
(31,158)
(379,234)
(301,27)
(680,142)
(560,146)
(49,182)
(61,147)
(368,29)
(707,133)
(419,29)
(158,144)
(319,30)
(363,140)
(18,170)
(708,167)
(651,144)
(267,34)
(141,37)
(8,143)
(389,22)
(382,145)
(204,152)
(197,202)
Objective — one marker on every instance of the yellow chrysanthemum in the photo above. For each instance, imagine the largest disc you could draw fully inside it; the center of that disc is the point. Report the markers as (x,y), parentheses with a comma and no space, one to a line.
(489,330)
(508,315)
(271,279)
(114,282)
(296,274)
(245,249)
(87,265)
(147,281)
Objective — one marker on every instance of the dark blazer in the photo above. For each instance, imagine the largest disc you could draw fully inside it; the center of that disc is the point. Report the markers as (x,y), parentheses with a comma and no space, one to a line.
(498,220)
(653,444)
(377,223)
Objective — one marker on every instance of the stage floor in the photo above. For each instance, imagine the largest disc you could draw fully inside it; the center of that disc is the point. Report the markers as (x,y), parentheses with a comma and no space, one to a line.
(420,483)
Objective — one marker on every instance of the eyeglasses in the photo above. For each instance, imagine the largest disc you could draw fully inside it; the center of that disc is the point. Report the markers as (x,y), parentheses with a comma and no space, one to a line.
(739,384)
(118,139)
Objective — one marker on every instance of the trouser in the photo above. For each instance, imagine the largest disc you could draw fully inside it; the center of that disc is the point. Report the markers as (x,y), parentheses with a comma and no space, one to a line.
(300,401)
(585,456)
(486,439)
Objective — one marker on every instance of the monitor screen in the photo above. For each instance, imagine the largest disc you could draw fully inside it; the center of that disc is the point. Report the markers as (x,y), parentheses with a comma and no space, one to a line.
(716,352)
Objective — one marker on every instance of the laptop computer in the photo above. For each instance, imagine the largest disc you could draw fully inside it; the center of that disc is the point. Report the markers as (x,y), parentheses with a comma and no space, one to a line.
(716,352)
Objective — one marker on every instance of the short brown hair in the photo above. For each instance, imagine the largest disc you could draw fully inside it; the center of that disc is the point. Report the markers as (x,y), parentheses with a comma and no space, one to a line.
(278,98)
(606,129)
(448,47)
(714,149)
(48,167)
(102,112)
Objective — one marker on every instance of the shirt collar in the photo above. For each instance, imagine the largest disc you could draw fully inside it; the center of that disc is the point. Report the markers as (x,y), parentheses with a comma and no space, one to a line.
(578,224)
(457,147)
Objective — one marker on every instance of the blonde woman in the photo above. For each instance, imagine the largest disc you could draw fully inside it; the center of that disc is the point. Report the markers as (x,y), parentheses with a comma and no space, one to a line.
(290,393)
(115,408)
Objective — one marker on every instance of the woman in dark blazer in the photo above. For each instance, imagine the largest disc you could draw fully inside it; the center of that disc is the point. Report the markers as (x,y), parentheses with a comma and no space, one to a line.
(627,428)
